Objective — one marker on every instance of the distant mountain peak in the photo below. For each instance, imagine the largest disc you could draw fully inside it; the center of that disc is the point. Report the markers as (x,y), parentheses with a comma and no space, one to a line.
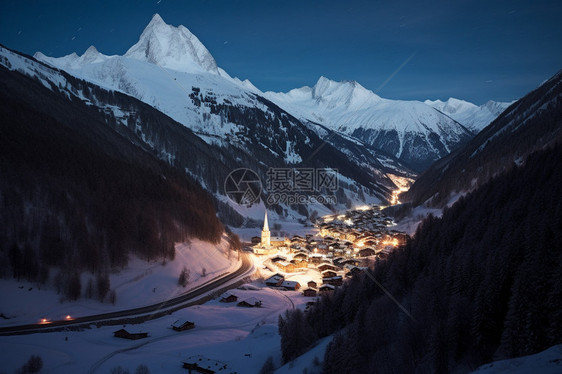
(156,20)
(472,116)
(172,47)
(91,55)
(349,94)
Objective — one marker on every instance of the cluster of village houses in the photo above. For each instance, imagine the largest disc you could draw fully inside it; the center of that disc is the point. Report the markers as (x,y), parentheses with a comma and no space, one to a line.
(344,242)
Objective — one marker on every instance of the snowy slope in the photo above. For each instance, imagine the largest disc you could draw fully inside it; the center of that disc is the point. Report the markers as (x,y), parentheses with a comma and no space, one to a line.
(412,131)
(472,116)
(140,283)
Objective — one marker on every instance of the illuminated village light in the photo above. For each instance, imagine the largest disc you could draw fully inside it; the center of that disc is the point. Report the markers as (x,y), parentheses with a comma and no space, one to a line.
(393,242)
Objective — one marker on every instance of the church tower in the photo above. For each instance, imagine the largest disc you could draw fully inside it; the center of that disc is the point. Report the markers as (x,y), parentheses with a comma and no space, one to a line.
(265,234)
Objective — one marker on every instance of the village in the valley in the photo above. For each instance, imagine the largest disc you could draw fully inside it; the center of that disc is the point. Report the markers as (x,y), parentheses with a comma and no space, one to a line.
(338,247)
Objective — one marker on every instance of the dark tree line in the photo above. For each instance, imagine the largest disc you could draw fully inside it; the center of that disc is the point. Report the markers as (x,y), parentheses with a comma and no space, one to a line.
(76,195)
(481,283)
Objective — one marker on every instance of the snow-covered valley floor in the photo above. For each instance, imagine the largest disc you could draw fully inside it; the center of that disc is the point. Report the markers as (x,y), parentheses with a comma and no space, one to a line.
(242,338)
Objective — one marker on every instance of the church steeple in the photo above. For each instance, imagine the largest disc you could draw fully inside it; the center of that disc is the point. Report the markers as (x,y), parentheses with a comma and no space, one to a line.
(265,225)
(265,234)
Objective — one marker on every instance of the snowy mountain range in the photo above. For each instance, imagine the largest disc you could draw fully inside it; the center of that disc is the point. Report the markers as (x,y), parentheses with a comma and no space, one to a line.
(412,131)
(472,116)
(168,63)
(169,69)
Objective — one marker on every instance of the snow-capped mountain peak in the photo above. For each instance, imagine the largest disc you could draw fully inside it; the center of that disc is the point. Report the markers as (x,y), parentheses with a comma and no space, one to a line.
(172,47)
(91,55)
(348,94)
(409,130)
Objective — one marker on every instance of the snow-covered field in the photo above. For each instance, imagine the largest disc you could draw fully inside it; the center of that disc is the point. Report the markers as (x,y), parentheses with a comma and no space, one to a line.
(140,284)
(548,361)
(242,338)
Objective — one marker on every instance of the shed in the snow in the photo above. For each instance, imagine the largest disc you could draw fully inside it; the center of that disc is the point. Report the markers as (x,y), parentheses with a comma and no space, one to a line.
(182,325)
(129,335)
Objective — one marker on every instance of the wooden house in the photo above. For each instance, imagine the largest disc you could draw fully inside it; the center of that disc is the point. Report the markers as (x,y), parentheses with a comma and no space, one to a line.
(300,256)
(328,274)
(285,266)
(274,280)
(315,259)
(351,262)
(310,292)
(312,284)
(325,266)
(291,285)
(365,252)
(252,302)
(129,335)
(334,281)
(326,288)
(182,325)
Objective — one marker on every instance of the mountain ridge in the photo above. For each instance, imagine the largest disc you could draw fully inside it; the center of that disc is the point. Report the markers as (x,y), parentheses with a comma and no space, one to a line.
(531,123)
(474,117)
(412,131)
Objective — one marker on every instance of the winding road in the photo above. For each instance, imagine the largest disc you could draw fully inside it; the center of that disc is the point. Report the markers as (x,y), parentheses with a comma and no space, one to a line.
(141,314)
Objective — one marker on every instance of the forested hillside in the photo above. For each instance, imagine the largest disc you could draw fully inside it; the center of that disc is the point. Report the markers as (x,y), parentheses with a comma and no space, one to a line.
(481,283)
(529,124)
(77,195)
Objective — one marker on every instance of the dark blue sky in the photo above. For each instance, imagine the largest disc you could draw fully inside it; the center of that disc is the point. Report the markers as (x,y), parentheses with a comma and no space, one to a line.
(472,50)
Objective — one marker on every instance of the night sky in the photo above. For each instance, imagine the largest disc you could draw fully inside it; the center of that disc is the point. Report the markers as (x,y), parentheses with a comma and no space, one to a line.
(472,50)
